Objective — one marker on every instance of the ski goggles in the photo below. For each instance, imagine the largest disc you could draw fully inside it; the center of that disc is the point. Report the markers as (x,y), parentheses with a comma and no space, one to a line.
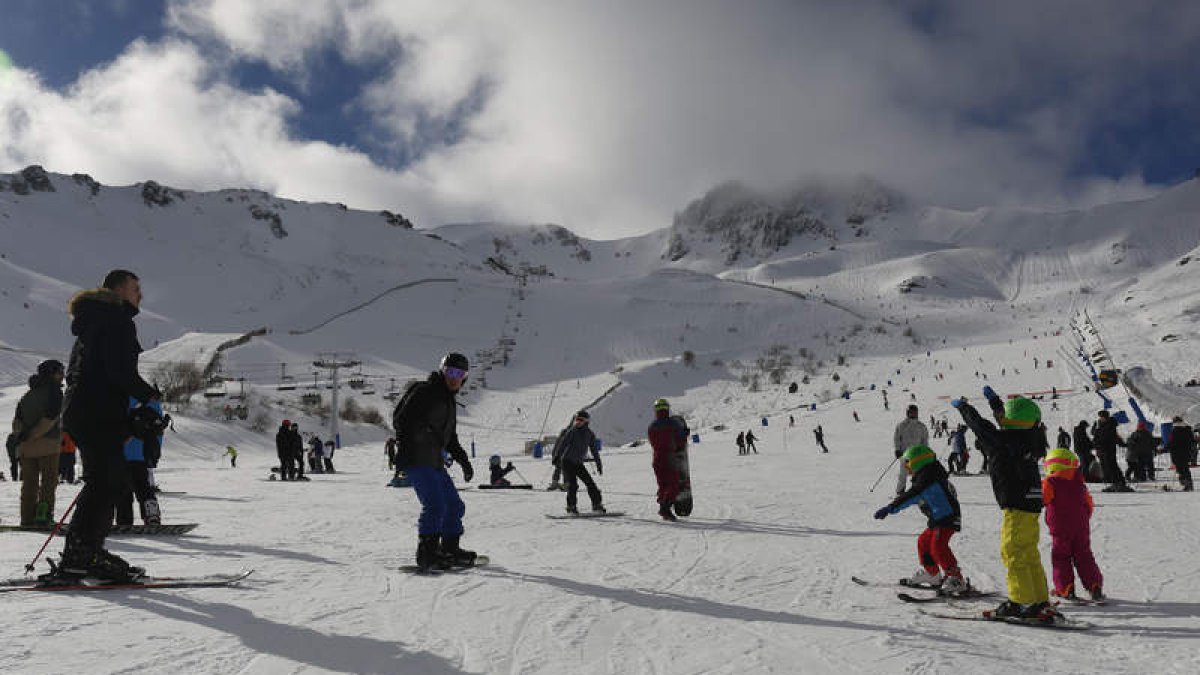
(454,373)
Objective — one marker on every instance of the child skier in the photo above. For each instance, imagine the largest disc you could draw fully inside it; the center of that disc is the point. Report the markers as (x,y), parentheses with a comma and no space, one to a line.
(1068,516)
(499,472)
(1014,452)
(932,492)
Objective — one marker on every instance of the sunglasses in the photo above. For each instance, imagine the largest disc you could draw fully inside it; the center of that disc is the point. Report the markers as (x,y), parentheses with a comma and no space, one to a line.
(454,373)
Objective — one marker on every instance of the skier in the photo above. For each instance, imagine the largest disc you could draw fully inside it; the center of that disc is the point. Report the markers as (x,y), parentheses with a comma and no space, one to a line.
(66,460)
(36,422)
(909,432)
(137,452)
(315,449)
(1083,448)
(499,472)
(101,377)
(820,434)
(330,448)
(932,492)
(1068,517)
(668,436)
(283,440)
(570,451)
(296,446)
(855,413)
(958,450)
(750,442)
(741,442)
(1139,454)
(1181,444)
(1064,439)
(1107,439)
(389,449)
(1016,485)
(425,422)
(231,453)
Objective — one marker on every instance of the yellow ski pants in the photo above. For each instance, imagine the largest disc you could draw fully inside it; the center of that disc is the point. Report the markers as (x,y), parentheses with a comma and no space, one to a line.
(1019,551)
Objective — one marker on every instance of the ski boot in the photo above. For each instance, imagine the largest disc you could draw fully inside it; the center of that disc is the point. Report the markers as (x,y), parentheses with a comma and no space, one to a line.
(954,586)
(454,556)
(573,510)
(554,486)
(99,565)
(1096,593)
(1067,593)
(923,579)
(599,508)
(665,513)
(428,558)
(1006,610)
(151,514)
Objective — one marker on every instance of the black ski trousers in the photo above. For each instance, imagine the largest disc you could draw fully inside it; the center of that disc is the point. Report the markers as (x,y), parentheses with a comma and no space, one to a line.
(105,480)
(1108,464)
(573,473)
(139,487)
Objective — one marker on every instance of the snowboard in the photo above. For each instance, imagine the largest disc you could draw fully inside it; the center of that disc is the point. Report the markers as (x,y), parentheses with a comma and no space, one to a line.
(170,530)
(144,582)
(480,561)
(584,514)
(683,501)
(28,528)
(485,486)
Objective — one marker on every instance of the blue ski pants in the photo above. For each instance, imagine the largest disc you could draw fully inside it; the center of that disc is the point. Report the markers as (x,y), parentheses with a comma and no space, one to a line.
(441,507)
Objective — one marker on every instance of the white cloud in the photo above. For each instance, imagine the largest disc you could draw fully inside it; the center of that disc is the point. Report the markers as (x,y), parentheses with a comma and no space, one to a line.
(608,117)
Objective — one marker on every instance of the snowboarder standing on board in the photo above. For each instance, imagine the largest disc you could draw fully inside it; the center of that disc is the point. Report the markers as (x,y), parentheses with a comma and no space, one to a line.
(570,451)
(426,421)
(668,437)
(932,492)
(909,432)
(1016,483)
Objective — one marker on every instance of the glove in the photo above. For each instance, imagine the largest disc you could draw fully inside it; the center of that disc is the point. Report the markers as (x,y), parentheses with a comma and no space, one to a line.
(508,466)
(468,472)
(956,403)
(883,513)
(989,393)
(599,468)
(899,453)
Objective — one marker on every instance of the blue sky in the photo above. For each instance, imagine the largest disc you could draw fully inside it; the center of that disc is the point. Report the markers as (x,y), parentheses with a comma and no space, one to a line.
(605,117)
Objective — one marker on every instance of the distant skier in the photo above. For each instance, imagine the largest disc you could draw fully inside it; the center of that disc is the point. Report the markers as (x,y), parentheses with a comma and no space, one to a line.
(750,438)
(283,440)
(1083,448)
(1063,440)
(1068,517)
(1181,444)
(296,444)
(425,422)
(957,461)
(1016,484)
(315,449)
(855,413)
(909,432)
(1107,439)
(570,452)
(330,448)
(499,472)
(231,453)
(820,434)
(932,492)
(389,449)
(741,442)
(668,436)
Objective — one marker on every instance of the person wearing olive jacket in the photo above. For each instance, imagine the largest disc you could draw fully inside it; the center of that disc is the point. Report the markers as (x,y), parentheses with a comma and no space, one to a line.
(37,419)
(101,377)
(425,422)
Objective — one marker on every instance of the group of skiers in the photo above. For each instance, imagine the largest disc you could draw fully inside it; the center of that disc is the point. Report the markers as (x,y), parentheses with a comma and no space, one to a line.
(745,442)
(290,448)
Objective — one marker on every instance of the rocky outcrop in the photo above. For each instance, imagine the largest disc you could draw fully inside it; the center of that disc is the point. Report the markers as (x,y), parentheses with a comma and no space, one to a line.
(154,194)
(396,220)
(271,217)
(87,181)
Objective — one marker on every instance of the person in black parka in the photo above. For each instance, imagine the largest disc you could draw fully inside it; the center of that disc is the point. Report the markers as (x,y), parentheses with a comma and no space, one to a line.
(1182,444)
(1083,447)
(101,378)
(1107,438)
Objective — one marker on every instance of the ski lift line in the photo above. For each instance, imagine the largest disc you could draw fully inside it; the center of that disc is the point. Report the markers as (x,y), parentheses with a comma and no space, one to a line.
(365,303)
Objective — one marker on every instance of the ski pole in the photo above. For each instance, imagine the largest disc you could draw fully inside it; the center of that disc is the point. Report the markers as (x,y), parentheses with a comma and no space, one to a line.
(885,471)
(518,472)
(57,526)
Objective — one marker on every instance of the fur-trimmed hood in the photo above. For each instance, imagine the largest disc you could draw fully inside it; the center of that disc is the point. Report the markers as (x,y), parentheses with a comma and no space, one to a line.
(97,303)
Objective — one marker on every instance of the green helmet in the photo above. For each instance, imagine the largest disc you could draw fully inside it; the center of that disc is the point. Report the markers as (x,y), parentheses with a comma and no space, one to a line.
(918,457)
(1020,413)
(661,404)
(1060,459)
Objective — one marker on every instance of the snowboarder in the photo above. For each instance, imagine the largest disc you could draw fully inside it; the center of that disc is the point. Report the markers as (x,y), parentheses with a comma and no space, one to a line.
(820,434)
(570,451)
(425,422)
(101,377)
(1139,454)
(1016,484)
(1107,439)
(909,432)
(1068,517)
(750,438)
(36,422)
(231,453)
(137,453)
(296,444)
(499,472)
(932,492)
(741,442)
(668,436)
(283,440)
(1181,444)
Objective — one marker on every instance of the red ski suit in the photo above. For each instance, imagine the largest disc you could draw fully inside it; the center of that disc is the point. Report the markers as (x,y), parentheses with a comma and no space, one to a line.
(1068,515)
(668,437)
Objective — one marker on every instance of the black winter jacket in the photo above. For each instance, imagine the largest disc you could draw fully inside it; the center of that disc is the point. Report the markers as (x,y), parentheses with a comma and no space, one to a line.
(1106,436)
(103,372)
(573,445)
(1083,442)
(1013,461)
(1180,444)
(425,423)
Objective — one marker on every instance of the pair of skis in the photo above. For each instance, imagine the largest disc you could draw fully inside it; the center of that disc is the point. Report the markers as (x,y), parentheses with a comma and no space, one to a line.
(1057,621)
(148,582)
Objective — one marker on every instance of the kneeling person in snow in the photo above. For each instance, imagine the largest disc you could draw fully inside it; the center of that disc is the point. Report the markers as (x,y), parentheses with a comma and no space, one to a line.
(499,472)
(932,492)
(569,453)
(426,423)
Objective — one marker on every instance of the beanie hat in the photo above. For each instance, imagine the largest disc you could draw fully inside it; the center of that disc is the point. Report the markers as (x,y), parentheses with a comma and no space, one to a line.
(49,367)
